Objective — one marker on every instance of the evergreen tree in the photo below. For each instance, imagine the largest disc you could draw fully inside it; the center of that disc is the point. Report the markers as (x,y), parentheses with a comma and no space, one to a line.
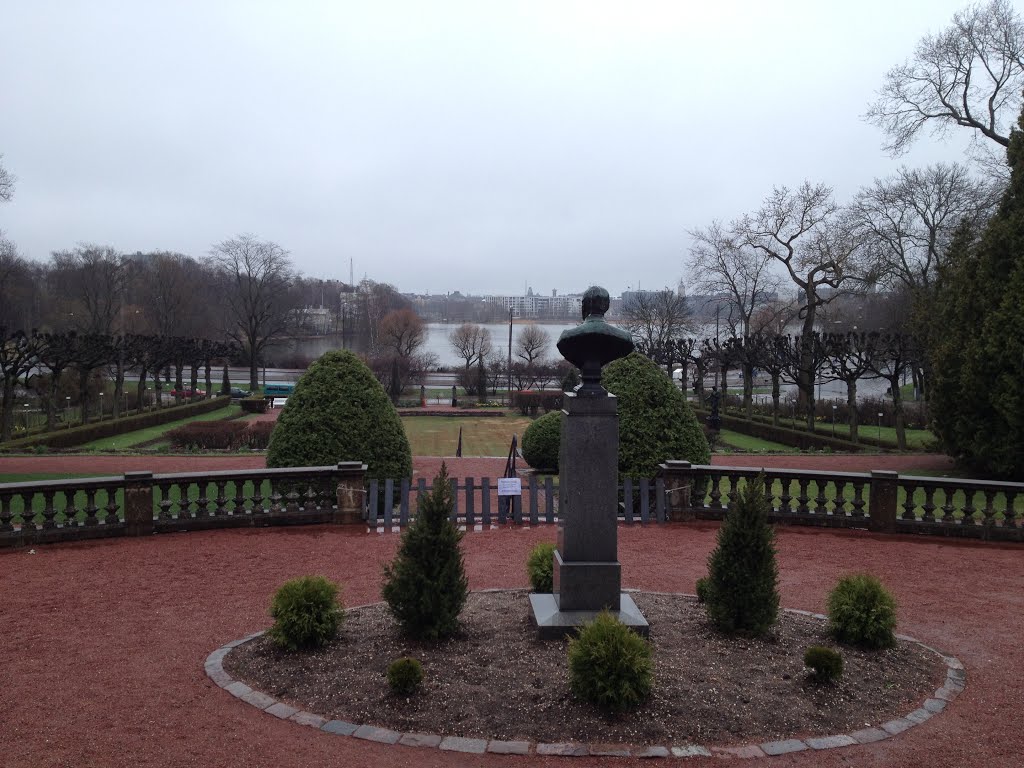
(742,590)
(425,586)
(977,350)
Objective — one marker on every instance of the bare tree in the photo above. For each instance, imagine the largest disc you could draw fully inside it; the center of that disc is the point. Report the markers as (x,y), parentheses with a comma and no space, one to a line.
(908,220)
(93,279)
(255,276)
(18,355)
(968,75)
(723,267)
(7,180)
(400,336)
(172,288)
(471,342)
(656,318)
(532,344)
(801,229)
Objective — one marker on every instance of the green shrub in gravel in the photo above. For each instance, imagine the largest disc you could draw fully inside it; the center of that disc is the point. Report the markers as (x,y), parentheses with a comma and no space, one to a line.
(425,585)
(655,421)
(826,664)
(541,442)
(340,412)
(702,589)
(405,675)
(610,665)
(742,593)
(306,613)
(862,612)
(540,566)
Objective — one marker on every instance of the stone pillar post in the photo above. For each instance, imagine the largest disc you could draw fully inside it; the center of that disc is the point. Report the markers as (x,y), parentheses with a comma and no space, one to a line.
(678,486)
(138,503)
(882,502)
(587,574)
(351,493)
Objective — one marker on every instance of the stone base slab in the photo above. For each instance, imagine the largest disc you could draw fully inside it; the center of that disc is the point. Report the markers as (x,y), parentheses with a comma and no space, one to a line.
(553,624)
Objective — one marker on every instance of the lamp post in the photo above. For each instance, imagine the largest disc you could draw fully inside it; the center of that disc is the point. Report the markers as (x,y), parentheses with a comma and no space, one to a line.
(101,406)
(25,417)
(67,410)
(833,419)
(879,429)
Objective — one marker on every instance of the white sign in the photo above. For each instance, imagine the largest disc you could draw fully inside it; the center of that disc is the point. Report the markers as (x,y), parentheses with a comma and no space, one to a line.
(510,486)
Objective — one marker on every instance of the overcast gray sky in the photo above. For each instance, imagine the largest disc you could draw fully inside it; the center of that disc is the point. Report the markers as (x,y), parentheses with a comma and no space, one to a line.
(474,146)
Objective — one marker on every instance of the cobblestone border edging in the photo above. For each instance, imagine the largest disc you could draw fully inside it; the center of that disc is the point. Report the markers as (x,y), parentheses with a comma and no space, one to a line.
(956,679)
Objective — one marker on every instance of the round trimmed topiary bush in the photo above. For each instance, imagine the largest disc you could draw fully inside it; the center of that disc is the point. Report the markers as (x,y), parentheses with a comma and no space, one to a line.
(340,412)
(540,566)
(405,675)
(610,665)
(306,613)
(655,421)
(862,612)
(826,664)
(542,440)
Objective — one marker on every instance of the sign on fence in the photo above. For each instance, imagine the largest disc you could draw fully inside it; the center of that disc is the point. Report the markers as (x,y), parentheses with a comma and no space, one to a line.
(510,486)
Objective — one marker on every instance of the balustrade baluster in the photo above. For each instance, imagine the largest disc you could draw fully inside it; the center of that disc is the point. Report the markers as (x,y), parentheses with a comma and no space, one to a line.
(257,497)
(312,498)
(203,501)
(90,508)
(820,501)
(221,509)
(839,499)
(969,508)
(858,499)
(785,498)
(238,501)
(928,508)
(275,498)
(947,507)
(111,508)
(49,510)
(990,509)
(1010,513)
(803,498)
(733,492)
(909,507)
(716,491)
(28,517)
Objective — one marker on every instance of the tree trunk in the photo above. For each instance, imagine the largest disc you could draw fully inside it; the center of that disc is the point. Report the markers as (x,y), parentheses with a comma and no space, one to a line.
(698,383)
(684,371)
(193,380)
(83,393)
(225,381)
(254,374)
(209,380)
(140,391)
(118,389)
(158,390)
(851,404)
(7,410)
(897,411)
(51,405)
(748,389)
(776,396)
(179,382)
(805,379)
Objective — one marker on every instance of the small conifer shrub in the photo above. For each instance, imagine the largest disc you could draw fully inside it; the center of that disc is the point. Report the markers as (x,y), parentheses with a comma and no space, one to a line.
(826,664)
(306,613)
(425,585)
(540,566)
(610,665)
(405,675)
(862,612)
(742,594)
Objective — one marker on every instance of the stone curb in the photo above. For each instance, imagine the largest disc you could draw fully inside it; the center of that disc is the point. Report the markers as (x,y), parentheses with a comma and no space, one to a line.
(952,687)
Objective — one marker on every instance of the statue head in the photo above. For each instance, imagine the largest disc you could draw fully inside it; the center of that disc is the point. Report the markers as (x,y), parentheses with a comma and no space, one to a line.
(595,301)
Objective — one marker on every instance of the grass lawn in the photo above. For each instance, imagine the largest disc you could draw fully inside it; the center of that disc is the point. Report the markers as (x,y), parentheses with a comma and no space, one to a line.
(730,439)
(132,439)
(917,439)
(485,436)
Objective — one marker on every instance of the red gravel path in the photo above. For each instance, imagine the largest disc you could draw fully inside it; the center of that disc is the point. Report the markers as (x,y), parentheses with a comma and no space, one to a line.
(105,642)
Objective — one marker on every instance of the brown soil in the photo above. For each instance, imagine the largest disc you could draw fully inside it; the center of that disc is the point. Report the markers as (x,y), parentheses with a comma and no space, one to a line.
(497,680)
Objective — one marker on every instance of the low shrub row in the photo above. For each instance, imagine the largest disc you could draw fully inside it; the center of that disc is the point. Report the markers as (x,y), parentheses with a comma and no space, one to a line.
(86,433)
(531,401)
(221,435)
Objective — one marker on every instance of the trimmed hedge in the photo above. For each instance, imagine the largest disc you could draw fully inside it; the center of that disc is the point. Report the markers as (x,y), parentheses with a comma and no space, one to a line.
(69,438)
(530,401)
(610,665)
(862,612)
(306,613)
(655,421)
(209,435)
(340,412)
(542,440)
(257,436)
